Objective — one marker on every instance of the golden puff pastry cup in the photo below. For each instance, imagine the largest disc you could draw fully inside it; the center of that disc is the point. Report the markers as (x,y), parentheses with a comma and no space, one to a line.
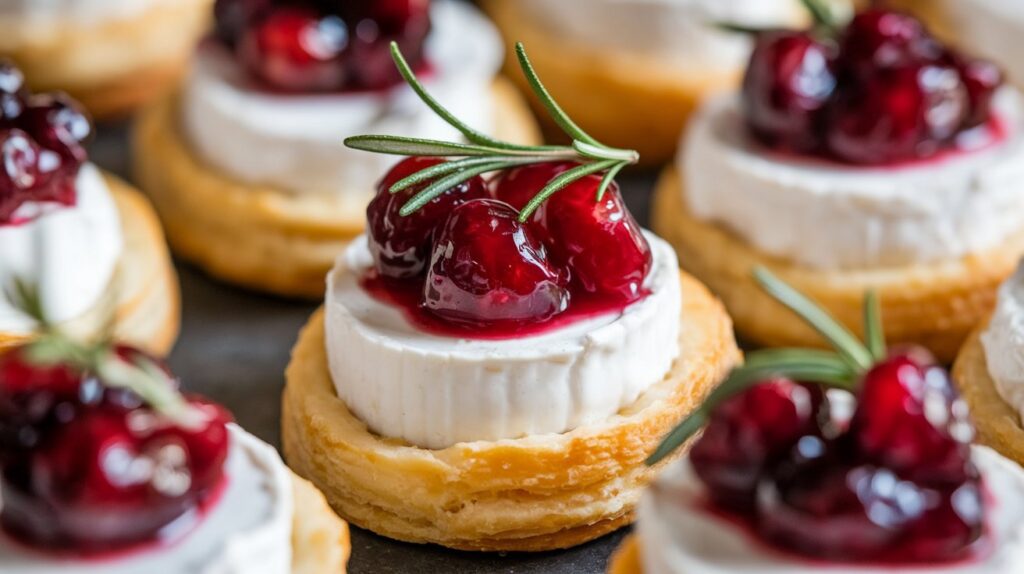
(261,237)
(147,302)
(529,494)
(112,64)
(935,304)
(320,540)
(627,99)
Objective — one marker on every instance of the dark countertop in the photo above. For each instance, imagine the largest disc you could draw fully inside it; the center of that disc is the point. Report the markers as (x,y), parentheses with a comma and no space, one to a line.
(234,347)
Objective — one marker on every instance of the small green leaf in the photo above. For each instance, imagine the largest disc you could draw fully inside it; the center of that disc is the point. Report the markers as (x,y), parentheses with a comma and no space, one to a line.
(554,110)
(445,183)
(607,180)
(874,332)
(397,145)
(559,182)
(820,13)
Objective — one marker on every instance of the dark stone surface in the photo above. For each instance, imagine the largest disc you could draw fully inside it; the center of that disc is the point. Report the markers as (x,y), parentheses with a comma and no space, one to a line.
(234,347)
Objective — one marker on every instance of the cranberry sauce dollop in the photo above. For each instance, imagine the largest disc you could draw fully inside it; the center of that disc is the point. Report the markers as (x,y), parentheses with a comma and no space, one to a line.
(86,469)
(323,46)
(42,138)
(881,91)
(465,266)
(894,485)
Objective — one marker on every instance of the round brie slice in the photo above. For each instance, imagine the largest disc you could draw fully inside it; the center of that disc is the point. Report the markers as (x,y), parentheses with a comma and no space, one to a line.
(296,142)
(858,217)
(248,531)
(435,391)
(69,253)
(678,536)
(1003,342)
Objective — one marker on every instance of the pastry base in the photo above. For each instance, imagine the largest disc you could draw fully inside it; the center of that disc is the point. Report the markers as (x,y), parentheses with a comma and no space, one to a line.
(626,559)
(935,305)
(624,100)
(320,540)
(530,494)
(112,67)
(260,237)
(998,424)
(145,287)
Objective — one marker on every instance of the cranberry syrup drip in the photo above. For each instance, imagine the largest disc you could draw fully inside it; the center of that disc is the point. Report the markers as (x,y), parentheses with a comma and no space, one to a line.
(465,266)
(319,46)
(880,92)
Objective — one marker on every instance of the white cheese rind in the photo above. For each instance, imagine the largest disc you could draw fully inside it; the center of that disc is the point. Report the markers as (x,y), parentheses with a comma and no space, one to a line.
(435,391)
(858,217)
(69,253)
(247,532)
(1003,342)
(677,538)
(295,142)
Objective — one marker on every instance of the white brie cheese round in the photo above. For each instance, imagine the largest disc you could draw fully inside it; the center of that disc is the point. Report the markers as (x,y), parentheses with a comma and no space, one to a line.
(69,253)
(434,391)
(248,531)
(295,142)
(678,536)
(858,217)
(1003,342)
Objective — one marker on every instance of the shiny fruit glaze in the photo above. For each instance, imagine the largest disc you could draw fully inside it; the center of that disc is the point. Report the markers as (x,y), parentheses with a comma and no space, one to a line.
(88,469)
(42,139)
(896,486)
(318,46)
(881,91)
(491,277)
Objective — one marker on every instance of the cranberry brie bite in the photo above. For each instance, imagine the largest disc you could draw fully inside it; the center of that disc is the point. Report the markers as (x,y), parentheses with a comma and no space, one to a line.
(864,465)
(246,164)
(111,55)
(496,356)
(106,468)
(73,229)
(861,156)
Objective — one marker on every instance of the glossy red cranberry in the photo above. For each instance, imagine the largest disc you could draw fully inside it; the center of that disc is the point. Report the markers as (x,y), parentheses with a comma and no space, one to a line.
(748,433)
(58,123)
(488,269)
(401,245)
(232,17)
(910,419)
(377,24)
(599,242)
(788,83)
(896,114)
(33,397)
(954,521)
(878,39)
(296,49)
(982,80)
(838,510)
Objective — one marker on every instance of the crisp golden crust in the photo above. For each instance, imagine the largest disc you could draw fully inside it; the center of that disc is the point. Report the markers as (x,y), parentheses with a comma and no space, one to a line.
(530,494)
(112,67)
(935,305)
(148,307)
(622,99)
(626,559)
(260,237)
(320,540)
(997,423)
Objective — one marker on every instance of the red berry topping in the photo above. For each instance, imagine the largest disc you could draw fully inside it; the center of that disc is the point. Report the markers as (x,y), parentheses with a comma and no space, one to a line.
(58,123)
(982,79)
(786,87)
(234,16)
(877,39)
(897,114)
(296,49)
(910,419)
(12,92)
(599,242)
(748,433)
(401,245)
(955,519)
(487,268)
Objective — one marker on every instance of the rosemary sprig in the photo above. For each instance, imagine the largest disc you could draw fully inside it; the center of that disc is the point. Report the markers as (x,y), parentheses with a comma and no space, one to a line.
(142,376)
(484,154)
(841,368)
(822,14)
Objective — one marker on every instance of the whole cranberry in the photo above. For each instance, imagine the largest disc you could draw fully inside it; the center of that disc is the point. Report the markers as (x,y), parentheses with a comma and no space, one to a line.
(488,269)
(58,123)
(896,114)
(296,49)
(376,25)
(982,79)
(599,242)
(232,17)
(786,87)
(19,170)
(748,433)
(910,419)
(401,244)
(31,395)
(953,522)
(878,39)
(837,510)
